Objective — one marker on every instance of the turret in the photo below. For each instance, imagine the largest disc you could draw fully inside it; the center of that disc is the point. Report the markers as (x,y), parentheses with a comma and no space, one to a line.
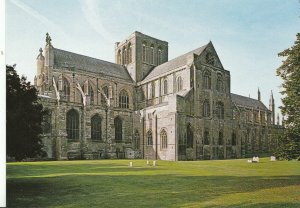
(258,95)
(272,107)
(40,62)
(49,54)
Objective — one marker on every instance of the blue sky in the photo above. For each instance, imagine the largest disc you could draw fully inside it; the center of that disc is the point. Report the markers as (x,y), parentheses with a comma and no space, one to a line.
(247,34)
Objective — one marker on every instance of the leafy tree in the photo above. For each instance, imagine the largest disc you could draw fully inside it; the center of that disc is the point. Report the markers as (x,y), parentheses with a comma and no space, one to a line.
(289,71)
(23,117)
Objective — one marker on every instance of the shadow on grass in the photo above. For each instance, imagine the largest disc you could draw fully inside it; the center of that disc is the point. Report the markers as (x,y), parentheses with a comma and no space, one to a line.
(137,190)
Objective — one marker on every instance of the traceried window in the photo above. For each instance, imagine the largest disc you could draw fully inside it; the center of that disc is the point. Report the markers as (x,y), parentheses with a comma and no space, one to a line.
(206,137)
(220,110)
(118,130)
(123,99)
(151,54)
(233,139)
(96,132)
(159,56)
(65,90)
(220,139)
(91,94)
(179,84)
(206,80)
(209,58)
(72,125)
(149,138)
(206,108)
(165,91)
(163,139)
(219,83)
(136,141)
(104,98)
(144,52)
(124,55)
(190,136)
(129,53)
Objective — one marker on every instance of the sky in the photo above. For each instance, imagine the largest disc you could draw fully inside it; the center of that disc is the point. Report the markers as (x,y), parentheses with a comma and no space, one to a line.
(247,34)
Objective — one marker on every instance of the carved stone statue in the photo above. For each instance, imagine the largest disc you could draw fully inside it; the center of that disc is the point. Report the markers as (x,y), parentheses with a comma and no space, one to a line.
(48,39)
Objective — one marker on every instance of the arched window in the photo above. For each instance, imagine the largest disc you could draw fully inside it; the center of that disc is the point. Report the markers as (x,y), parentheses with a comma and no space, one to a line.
(144,52)
(65,90)
(151,54)
(118,130)
(149,138)
(210,59)
(179,84)
(233,139)
(190,136)
(219,84)
(123,99)
(220,140)
(163,139)
(96,132)
(119,57)
(220,110)
(206,137)
(91,94)
(46,124)
(159,56)
(206,80)
(136,141)
(206,108)
(72,125)
(105,92)
(165,92)
(129,53)
(124,53)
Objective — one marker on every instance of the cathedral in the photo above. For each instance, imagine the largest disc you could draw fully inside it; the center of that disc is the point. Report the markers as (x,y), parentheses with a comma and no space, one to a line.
(146,106)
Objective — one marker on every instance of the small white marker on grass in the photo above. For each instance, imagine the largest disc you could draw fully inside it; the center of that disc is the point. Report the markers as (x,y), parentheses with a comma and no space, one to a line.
(130,164)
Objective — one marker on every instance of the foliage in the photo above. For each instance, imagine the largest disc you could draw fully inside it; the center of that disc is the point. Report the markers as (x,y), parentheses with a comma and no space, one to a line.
(289,71)
(112,183)
(23,117)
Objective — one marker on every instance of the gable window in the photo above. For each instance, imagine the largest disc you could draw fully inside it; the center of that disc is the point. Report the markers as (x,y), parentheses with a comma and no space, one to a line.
(96,127)
(104,95)
(179,84)
(123,99)
(72,125)
(118,129)
(165,92)
(206,137)
(219,84)
(206,80)
(163,139)
(209,58)
(220,110)
(144,52)
(220,140)
(206,108)
(190,136)
(149,138)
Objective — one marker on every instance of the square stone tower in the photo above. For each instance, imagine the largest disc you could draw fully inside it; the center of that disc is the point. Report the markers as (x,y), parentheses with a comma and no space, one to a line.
(140,53)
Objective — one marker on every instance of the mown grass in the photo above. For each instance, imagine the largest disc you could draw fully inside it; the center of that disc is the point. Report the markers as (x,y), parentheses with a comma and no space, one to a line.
(112,183)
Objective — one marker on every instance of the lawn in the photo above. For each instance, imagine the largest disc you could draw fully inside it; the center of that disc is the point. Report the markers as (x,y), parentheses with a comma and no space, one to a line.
(112,183)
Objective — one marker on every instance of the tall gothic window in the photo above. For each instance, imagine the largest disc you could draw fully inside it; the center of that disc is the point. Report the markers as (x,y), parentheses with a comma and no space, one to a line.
(129,53)
(149,138)
(220,140)
(144,52)
(46,124)
(65,90)
(91,94)
(233,139)
(105,92)
(118,129)
(136,141)
(119,57)
(96,132)
(210,59)
(219,84)
(165,92)
(163,139)
(159,56)
(124,53)
(179,84)
(190,136)
(123,99)
(206,137)
(206,108)
(206,80)
(220,110)
(151,54)
(72,125)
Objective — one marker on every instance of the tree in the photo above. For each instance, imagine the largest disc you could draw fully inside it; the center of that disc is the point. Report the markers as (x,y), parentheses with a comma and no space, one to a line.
(289,71)
(23,117)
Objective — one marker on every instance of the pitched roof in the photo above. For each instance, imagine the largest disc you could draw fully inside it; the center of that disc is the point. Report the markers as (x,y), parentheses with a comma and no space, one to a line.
(174,63)
(80,62)
(247,102)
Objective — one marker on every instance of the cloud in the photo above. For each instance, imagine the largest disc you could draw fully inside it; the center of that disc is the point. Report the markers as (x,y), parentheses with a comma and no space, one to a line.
(90,9)
(39,17)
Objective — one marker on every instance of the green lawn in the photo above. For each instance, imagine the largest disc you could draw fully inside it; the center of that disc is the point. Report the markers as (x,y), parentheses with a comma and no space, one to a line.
(111,183)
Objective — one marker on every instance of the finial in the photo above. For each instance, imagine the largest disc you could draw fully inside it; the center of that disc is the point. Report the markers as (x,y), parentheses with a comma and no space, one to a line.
(48,39)
(41,50)
(258,94)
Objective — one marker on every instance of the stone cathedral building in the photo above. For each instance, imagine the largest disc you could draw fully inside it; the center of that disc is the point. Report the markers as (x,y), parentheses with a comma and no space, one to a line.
(146,106)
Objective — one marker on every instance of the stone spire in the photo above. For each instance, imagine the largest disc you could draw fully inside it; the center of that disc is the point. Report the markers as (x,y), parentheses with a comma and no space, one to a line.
(258,95)
(272,107)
